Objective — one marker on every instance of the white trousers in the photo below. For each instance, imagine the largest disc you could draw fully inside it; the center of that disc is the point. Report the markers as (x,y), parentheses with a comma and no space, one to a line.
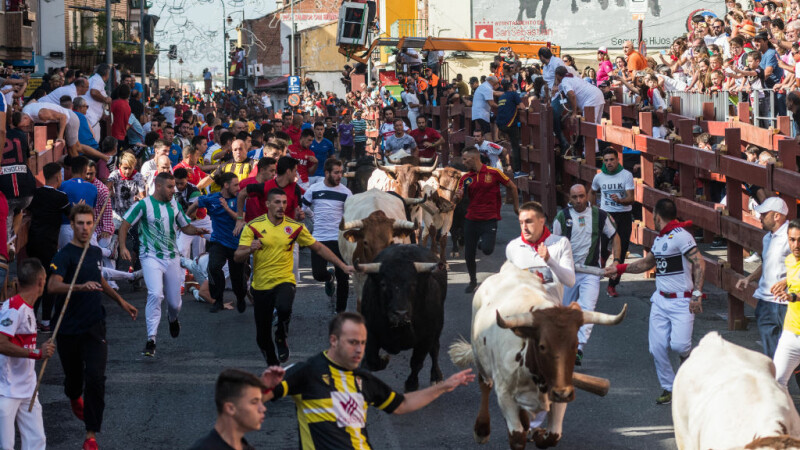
(190,246)
(671,326)
(163,278)
(585,292)
(787,356)
(296,267)
(30,424)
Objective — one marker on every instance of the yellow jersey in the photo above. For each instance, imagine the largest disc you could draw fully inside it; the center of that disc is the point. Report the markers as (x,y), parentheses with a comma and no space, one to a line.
(273,264)
(792,321)
(241,169)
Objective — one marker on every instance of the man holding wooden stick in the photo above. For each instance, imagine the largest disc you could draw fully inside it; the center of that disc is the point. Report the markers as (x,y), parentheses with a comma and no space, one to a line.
(81,338)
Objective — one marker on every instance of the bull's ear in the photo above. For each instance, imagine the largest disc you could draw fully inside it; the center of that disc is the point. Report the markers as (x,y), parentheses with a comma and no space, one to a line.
(402,232)
(353,235)
(524,332)
(574,305)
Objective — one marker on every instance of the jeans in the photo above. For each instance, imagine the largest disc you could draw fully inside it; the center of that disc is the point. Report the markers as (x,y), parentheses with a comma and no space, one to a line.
(769,319)
(360,149)
(83,358)
(484,231)
(281,297)
(558,108)
(218,254)
(624,223)
(513,133)
(318,269)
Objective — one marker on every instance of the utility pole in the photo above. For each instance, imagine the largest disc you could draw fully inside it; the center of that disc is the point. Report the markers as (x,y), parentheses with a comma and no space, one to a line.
(143,61)
(109,38)
(291,45)
(224,44)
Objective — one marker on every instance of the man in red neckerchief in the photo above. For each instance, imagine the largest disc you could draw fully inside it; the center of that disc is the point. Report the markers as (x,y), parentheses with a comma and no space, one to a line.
(306,158)
(482,185)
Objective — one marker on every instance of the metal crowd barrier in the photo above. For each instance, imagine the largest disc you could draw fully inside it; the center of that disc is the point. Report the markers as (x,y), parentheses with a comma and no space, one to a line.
(764,115)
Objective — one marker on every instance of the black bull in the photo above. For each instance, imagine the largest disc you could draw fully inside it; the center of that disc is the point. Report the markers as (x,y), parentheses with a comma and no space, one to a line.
(403,305)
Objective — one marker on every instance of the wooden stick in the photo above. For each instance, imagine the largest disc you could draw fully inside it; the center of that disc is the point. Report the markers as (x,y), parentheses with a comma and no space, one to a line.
(66,301)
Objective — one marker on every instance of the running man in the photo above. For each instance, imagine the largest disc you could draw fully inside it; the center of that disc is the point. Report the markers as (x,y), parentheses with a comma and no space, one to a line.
(269,239)
(324,203)
(482,184)
(680,271)
(161,217)
(18,355)
(81,342)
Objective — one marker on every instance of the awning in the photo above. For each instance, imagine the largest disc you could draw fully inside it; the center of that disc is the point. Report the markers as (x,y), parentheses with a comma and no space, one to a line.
(273,83)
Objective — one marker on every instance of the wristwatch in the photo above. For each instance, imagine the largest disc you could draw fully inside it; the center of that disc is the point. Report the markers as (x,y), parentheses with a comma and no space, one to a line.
(697,293)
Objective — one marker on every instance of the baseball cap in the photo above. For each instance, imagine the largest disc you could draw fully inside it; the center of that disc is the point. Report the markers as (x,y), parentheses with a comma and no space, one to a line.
(762,35)
(602,50)
(773,204)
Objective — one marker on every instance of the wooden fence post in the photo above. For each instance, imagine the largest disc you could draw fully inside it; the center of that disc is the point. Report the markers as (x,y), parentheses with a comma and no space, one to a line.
(736,319)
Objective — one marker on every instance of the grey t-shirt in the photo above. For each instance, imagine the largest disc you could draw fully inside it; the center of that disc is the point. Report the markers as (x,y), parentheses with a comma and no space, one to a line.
(393,143)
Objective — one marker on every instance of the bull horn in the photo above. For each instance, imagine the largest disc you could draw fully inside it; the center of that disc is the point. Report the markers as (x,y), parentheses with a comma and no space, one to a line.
(425,267)
(593,385)
(431,168)
(351,164)
(350,225)
(425,160)
(367,268)
(437,172)
(604,319)
(415,201)
(349,175)
(404,225)
(517,320)
(390,169)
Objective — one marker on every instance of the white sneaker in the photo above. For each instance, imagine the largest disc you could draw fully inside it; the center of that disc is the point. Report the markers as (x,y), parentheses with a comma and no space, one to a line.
(754,258)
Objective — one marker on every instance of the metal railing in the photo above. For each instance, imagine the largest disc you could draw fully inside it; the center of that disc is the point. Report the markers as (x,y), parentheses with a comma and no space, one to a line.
(764,109)
(409,28)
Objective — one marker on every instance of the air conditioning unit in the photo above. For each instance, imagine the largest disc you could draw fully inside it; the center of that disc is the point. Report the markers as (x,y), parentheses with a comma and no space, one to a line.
(259,70)
(250,70)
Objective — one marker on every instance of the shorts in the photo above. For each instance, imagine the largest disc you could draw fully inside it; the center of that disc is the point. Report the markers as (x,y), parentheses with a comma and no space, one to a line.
(482,125)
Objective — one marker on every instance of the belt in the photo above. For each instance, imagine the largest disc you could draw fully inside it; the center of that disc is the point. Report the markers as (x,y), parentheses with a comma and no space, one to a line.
(685,294)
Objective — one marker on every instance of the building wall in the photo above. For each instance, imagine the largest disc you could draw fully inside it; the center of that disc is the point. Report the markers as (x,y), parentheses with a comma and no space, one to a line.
(393,10)
(118,10)
(318,50)
(449,18)
(51,31)
(328,81)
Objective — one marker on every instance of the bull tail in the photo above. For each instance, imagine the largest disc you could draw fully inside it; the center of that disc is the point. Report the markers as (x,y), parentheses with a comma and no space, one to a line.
(461,353)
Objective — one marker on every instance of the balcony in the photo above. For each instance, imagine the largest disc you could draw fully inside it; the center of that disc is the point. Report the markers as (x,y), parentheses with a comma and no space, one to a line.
(409,28)
(16,35)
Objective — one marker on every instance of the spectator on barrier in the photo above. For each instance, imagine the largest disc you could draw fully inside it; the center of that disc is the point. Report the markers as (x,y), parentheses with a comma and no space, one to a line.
(549,66)
(635,60)
(772,71)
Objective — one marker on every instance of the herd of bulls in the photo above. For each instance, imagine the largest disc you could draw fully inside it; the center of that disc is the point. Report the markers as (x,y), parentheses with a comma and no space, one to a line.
(523,342)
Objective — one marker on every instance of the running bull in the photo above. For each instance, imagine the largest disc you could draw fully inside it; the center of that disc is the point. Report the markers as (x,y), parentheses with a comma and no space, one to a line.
(403,307)
(524,344)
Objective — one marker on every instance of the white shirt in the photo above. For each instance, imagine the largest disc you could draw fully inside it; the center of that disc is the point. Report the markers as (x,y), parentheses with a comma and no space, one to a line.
(492,151)
(559,270)
(480,101)
(387,129)
(95,111)
(549,70)
(581,235)
(210,151)
(33,109)
(55,96)
(327,204)
(169,114)
(613,184)
(409,98)
(266,101)
(18,323)
(774,250)
(586,94)
(673,268)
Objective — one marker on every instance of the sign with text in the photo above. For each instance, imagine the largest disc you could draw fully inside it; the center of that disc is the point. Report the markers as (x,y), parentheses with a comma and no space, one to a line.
(586,25)
(294,85)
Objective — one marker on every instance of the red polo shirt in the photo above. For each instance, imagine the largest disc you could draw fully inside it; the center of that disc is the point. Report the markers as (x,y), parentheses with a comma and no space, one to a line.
(195,173)
(421,137)
(293,195)
(294,134)
(301,155)
(254,205)
(483,189)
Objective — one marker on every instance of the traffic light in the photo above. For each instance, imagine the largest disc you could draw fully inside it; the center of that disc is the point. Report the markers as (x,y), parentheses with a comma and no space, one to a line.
(173,52)
(149,22)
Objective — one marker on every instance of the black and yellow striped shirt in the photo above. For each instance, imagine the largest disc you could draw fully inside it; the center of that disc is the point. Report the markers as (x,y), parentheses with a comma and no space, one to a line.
(332,402)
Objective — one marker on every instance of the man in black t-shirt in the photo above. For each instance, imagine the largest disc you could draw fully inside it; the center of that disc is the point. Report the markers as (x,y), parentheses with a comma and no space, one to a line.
(332,392)
(81,341)
(16,180)
(47,208)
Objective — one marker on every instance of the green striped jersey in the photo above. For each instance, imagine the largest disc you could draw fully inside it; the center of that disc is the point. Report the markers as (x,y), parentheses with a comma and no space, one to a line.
(158,230)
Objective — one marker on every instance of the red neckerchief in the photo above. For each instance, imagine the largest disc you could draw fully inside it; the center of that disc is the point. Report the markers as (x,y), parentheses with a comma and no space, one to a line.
(674,224)
(673,57)
(535,245)
(121,175)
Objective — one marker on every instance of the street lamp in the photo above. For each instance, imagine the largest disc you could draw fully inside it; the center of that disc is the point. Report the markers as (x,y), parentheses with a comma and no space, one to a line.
(180,80)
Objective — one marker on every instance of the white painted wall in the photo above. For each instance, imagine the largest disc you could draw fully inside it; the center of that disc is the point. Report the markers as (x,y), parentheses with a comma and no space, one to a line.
(51,32)
(451,17)
(328,81)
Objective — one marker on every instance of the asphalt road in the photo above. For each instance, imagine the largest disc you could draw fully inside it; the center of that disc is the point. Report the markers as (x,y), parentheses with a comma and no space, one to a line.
(167,402)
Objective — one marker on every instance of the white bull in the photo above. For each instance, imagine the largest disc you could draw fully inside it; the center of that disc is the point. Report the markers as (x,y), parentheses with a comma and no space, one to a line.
(725,396)
(372,221)
(524,344)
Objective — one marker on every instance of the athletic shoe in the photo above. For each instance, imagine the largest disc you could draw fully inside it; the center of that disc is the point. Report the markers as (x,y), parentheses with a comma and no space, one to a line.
(754,258)
(150,348)
(77,407)
(471,287)
(196,294)
(665,398)
(90,444)
(719,242)
(520,174)
(330,286)
(241,306)
(43,328)
(579,358)
(175,328)
(283,349)
(612,292)
(217,307)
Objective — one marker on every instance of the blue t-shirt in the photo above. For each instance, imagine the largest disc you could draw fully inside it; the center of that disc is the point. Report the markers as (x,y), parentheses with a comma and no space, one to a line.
(322,150)
(307,126)
(175,154)
(78,189)
(2,104)
(222,223)
(507,115)
(85,135)
(256,154)
(770,59)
